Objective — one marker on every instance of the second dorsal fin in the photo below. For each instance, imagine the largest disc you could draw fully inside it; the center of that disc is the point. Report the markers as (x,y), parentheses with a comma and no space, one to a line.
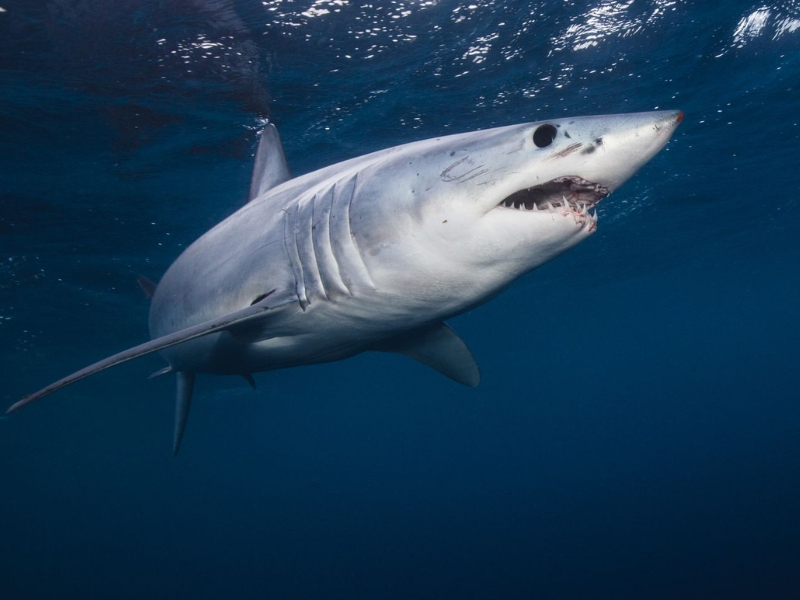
(270,169)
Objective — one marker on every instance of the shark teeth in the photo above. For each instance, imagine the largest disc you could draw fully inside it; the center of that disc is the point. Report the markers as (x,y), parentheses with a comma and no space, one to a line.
(571,194)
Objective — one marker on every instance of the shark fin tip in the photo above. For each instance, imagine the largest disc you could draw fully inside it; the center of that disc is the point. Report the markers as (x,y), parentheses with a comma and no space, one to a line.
(160,372)
(147,286)
(183,401)
(19,403)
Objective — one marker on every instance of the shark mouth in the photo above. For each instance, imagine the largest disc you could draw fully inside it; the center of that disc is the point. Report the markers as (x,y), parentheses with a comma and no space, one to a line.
(569,193)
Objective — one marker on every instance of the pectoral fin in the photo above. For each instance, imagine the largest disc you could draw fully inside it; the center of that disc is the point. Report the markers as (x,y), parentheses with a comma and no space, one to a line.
(234,321)
(440,348)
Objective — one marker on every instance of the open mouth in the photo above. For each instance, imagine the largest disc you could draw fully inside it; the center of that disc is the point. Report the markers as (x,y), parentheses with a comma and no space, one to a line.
(570,193)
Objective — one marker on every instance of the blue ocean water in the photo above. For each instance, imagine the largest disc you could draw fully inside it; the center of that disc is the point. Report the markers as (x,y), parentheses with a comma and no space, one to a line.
(637,430)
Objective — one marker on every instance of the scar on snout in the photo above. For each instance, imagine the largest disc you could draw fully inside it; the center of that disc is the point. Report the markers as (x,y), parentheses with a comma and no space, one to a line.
(565,152)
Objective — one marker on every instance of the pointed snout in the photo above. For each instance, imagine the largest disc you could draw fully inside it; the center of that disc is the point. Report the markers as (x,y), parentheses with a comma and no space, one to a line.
(628,142)
(658,119)
(669,117)
(668,122)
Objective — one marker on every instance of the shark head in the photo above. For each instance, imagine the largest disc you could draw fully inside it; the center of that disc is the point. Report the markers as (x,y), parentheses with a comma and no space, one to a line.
(462,216)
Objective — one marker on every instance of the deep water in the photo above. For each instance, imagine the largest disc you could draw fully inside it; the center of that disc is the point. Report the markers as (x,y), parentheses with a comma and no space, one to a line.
(637,430)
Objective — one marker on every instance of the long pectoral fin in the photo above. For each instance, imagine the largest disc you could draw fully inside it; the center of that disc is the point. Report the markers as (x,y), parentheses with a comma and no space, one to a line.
(440,348)
(255,312)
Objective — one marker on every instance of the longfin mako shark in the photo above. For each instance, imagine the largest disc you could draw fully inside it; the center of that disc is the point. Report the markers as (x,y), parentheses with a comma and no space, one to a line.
(376,252)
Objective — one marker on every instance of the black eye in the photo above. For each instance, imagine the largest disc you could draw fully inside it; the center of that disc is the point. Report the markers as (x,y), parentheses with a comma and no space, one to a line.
(544,136)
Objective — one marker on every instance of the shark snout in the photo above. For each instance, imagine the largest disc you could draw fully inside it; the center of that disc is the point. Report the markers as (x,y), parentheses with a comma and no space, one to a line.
(671,119)
(630,141)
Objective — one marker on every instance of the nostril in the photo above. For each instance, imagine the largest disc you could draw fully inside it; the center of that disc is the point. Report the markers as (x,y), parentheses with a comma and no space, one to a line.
(544,135)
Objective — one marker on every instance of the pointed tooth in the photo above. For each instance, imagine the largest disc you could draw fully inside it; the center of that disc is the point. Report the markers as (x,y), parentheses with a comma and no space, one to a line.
(550,206)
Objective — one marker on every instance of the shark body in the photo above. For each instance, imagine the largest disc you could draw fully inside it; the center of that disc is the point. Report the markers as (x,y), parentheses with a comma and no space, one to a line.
(376,252)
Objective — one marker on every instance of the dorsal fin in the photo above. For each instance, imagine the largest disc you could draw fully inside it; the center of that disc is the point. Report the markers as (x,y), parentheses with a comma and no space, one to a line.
(183,400)
(270,167)
(440,348)
(148,286)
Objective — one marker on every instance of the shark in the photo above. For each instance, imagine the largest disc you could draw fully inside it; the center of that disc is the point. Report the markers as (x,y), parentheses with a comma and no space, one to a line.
(377,252)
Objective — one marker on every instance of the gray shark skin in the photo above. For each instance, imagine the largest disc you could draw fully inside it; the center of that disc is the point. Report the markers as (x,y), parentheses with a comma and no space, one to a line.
(376,252)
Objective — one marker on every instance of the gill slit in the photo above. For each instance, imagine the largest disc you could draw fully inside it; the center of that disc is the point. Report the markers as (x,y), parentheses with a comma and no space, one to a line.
(352,237)
(290,243)
(329,226)
(314,257)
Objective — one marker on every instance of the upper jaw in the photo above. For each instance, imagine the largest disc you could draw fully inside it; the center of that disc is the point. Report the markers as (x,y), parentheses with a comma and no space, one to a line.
(568,192)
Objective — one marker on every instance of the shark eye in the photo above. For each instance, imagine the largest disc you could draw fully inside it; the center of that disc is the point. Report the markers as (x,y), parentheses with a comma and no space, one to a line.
(544,135)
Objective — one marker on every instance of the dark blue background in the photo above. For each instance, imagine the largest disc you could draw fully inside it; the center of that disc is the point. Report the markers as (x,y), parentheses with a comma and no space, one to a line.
(637,431)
